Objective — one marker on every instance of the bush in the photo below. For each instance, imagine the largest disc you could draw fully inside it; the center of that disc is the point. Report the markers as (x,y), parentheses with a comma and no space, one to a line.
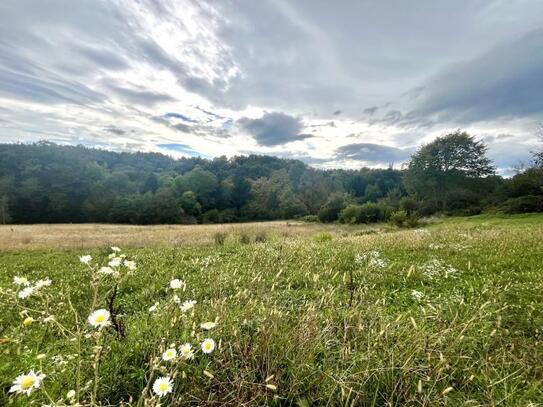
(244,237)
(409,205)
(372,213)
(350,214)
(331,209)
(366,213)
(523,204)
(228,216)
(261,237)
(399,218)
(309,218)
(427,208)
(211,216)
(220,238)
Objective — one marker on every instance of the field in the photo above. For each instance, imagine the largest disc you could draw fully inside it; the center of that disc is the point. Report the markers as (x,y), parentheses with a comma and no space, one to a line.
(450,314)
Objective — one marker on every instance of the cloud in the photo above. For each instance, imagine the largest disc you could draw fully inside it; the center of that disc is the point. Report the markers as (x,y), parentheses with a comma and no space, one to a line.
(138,95)
(90,70)
(373,153)
(505,82)
(273,129)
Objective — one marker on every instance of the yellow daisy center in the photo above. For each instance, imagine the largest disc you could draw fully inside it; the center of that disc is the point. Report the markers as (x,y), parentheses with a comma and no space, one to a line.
(27,382)
(100,318)
(208,345)
(163,386)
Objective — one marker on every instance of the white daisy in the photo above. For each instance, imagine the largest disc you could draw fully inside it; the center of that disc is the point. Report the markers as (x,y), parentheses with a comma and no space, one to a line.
(85,259)
(106,270)
(208,325)
(99,318)
(153,307)
(42,283)
(187,305)
(26,292)
(169,354)
(115,262)
(208,345)
(162,386)
(130,265)
(20,280)
(186,351)
(115,249)
(26,383)
(176,283)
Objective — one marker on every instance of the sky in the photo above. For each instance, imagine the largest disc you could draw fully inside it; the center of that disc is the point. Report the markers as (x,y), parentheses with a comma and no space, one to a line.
(336,84)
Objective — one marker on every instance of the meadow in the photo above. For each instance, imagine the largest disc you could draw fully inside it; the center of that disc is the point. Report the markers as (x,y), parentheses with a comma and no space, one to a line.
(447,314)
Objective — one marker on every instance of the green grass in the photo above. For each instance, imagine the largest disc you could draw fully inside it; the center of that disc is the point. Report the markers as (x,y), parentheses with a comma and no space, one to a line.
(455,317)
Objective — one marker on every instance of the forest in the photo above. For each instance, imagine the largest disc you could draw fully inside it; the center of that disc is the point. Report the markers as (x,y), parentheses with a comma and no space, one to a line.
(49,183)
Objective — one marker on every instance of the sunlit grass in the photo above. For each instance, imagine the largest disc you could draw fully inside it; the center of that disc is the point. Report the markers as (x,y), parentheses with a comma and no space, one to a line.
(450,314)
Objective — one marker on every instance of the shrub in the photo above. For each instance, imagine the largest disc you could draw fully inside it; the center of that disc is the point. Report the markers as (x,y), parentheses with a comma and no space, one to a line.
(309,218)
(399,218)
(350,214)
(523,204)
(409,205)
(244,237)
(372,213)
(220,238)
(211,216)
(331,209)
(261,237)
(228,215)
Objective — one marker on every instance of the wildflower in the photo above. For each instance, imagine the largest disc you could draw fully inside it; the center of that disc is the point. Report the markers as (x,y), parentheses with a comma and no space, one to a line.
(208,345)
(169,354)
(176,284)
(70,394)
(416,295)
(26,292)
(28,321)
(42,283)
(152,308)
(115,249)
(208,325)
(99,318)
(26,383)
(106,270)
(162,386)
(186,351)
(20,280)
(187,305)
(130,265)
(115,262)
(50,318)
(372,258)
(85,259)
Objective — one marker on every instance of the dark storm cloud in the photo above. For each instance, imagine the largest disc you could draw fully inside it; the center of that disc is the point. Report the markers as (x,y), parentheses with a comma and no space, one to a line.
(372,153)
(273,129)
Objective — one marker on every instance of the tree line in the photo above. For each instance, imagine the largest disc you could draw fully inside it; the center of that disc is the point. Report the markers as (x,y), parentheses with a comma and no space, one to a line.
(49,183)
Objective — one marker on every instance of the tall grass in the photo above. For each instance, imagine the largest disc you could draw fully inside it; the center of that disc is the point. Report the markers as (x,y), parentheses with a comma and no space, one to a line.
(446,315)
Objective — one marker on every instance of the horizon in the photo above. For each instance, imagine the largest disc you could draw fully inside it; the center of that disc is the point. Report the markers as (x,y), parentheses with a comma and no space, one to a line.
(350,86)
